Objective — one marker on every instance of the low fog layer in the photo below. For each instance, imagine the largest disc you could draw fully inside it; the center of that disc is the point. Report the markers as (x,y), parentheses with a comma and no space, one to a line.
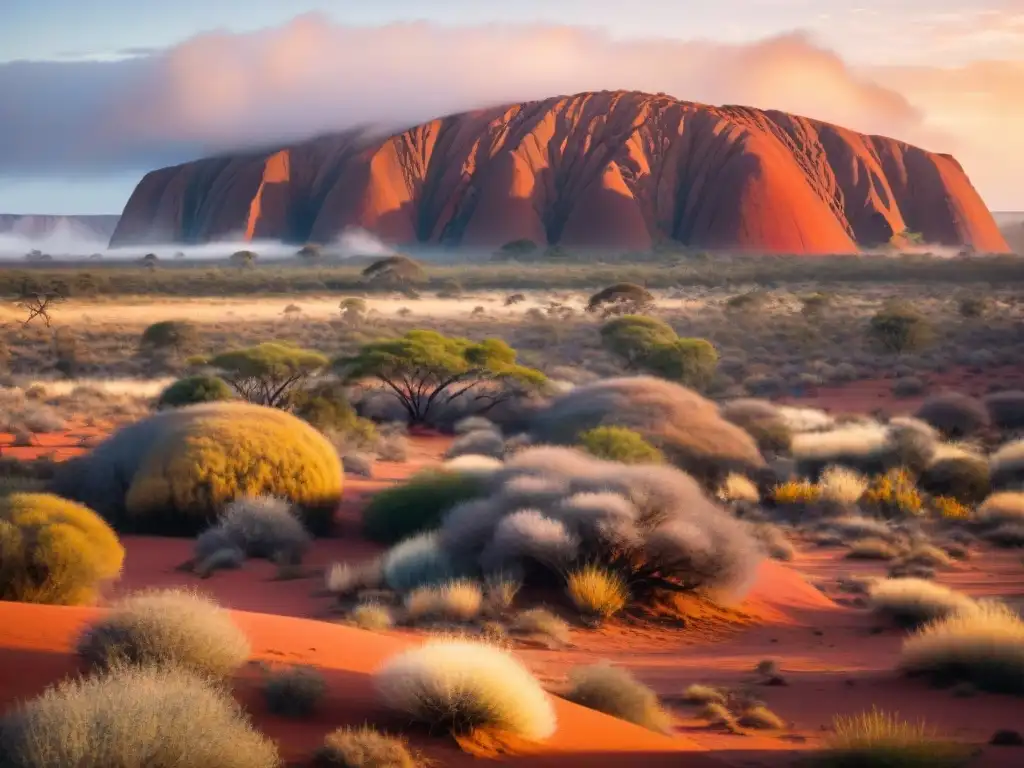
(65,244)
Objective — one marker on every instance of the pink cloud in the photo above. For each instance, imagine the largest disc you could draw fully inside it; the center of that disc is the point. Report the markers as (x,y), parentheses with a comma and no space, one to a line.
(224,91)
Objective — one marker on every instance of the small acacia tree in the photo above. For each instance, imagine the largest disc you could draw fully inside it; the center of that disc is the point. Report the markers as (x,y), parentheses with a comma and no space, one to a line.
(424,369)
(621,299)
(267,373)
(899,328)
(177,336)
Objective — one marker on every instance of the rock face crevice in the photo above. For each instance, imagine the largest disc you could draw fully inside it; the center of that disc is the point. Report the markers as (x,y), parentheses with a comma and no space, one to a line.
(622,170)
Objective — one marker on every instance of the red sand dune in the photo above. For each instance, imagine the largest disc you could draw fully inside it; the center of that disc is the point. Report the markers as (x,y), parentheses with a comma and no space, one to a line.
(834,658)
(35,640)
(608,170)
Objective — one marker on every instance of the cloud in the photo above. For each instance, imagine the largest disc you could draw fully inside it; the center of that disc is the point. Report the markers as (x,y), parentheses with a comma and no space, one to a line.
(223,91)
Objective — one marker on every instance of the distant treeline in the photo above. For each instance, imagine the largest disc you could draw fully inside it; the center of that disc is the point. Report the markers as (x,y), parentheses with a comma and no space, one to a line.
(92,278)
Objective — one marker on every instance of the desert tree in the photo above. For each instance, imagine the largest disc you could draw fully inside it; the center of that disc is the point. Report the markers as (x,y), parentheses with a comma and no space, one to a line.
(175,336)
(39,303)
(515,298)
(267,373)
(243,259)
(353,309)
(310,253)
(150,261)
(621,299)
(394,270)
(899,327)
(425,369)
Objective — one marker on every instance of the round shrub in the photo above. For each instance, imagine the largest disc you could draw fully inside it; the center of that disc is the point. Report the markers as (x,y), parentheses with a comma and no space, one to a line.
(53,550)
(460,686)
(417,505)
(1006,409)
(550,509)
(620,444)
(983,646)
(614,691)
(964,478)
(191,390)
(260,527)
(684,426)
(955,415)
(173,472)
(133,717)
(163,627)
(762,421)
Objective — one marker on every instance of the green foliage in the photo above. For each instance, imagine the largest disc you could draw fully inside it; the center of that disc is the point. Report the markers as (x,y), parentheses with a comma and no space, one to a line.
(899,328)
(620,444)
(425,369)
(201,388)
(53,550)
(632,337)
(177,336)
(327,408)
(174,472)
(265,374)
(651,345)
(690,362)
(417,505)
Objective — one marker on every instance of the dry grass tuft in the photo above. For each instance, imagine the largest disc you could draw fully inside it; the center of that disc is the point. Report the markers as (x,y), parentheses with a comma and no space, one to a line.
(872,548)
(459,686)
(616,692)
(166,627)
(761,718)
(877,738)
(459,600)
(133,717)
(294,692)
(984,646)
(364,747)
(914,602)
(541,623)
(597,591)
(703,694)
(372,616)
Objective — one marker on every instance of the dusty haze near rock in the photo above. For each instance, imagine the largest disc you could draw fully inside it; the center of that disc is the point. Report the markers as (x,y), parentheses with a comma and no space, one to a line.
(610,169)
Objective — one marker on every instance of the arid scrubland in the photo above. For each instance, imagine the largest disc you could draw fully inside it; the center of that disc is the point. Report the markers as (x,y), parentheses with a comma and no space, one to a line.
(623,456)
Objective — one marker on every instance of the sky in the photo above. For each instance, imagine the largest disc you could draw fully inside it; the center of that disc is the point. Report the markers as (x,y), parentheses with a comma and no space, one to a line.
(95,93)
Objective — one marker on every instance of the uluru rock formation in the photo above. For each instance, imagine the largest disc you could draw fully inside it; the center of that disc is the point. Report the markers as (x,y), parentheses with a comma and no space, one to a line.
(610,169)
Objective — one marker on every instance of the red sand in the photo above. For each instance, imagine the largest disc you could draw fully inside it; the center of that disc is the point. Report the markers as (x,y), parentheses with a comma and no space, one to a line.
(874,394)
(833,658)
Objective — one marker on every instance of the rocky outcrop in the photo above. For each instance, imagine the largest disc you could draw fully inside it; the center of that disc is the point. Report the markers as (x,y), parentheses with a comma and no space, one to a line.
(611,169)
